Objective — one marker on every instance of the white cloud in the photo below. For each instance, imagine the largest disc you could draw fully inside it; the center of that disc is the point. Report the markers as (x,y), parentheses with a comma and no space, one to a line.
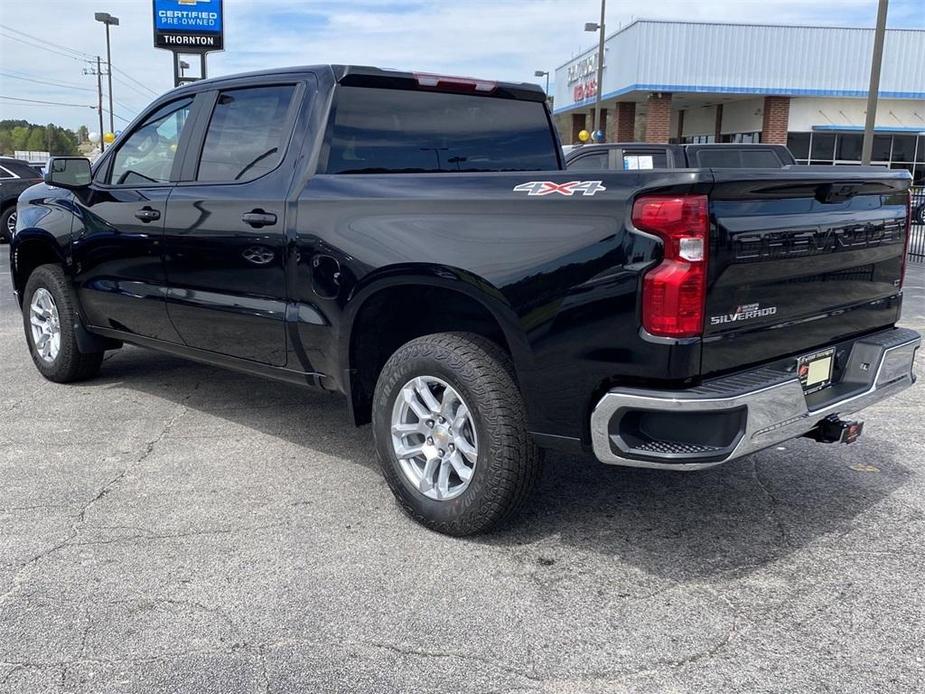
(502,39)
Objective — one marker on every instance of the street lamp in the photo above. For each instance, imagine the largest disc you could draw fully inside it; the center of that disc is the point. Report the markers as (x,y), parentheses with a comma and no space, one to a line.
(184,66)
(541,73)
(109,21)
(593,26)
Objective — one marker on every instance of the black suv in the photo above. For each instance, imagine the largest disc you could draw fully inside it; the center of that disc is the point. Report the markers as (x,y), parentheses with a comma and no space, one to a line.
(15,177)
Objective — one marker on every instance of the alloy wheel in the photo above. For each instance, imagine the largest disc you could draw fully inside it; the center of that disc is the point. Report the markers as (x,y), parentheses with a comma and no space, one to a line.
(45,324)
(434,438)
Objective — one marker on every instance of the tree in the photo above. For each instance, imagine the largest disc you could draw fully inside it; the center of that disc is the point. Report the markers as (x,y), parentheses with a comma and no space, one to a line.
(83,134)
(37,140)
(22,135)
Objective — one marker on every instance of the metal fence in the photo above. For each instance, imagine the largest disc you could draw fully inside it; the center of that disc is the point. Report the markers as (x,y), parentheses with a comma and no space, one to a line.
(917,238)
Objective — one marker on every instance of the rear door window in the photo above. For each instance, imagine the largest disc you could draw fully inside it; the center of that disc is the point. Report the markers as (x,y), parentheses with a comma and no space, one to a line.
(642,158)
(247,134)
(589,162)
(404,131)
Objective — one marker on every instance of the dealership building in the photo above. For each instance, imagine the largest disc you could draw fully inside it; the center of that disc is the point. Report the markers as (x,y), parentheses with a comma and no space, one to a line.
(803,86)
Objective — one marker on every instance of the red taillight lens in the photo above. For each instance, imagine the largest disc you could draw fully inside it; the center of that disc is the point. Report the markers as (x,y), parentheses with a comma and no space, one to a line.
(673,292)
(460,84)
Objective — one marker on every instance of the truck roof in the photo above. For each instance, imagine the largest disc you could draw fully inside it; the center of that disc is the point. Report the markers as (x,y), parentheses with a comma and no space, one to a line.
(366,75)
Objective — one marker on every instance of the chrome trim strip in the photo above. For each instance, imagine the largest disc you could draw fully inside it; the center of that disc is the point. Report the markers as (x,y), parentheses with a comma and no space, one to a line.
(775,413)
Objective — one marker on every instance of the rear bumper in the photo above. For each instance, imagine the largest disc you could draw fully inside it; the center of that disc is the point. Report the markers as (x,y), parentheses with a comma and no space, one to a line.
(735,415)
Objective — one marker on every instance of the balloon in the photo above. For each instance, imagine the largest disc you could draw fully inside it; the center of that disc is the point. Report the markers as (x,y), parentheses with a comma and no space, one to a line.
(109,138)
(598,136)
(584,136)
(94,138)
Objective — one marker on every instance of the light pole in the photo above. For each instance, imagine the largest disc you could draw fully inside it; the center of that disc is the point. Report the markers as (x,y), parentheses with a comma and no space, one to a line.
(592,26)
(184,66)
(541,73)
(109,21)
(867,144)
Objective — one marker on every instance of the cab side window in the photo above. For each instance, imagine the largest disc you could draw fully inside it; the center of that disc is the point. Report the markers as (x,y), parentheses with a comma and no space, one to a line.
(147,156)
(247,134)
(589,162)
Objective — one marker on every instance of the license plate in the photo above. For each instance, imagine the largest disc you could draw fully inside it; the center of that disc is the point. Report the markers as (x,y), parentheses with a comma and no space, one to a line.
(815,370)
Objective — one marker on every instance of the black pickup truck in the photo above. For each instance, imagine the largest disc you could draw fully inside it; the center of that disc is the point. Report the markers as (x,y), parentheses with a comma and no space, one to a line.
(412,242)
(628,156)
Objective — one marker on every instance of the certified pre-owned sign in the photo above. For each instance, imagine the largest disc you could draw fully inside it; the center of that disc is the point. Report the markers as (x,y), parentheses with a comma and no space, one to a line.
(188,26)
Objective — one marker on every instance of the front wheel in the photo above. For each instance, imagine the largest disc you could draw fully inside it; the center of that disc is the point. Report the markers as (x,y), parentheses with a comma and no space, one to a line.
(451,433)
(50,319)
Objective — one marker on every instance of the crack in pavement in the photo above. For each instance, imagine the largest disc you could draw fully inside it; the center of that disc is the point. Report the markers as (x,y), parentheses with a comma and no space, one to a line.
(81,515)
(773,505)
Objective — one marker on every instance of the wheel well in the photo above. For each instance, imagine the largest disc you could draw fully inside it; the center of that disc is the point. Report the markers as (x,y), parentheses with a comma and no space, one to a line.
(395,315)
(29,256)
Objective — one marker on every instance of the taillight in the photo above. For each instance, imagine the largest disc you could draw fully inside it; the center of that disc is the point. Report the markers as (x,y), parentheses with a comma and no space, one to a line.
(673,292)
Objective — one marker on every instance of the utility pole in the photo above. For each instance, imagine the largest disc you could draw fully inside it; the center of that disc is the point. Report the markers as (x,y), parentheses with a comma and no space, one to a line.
(99,99)
(591,26)
(108,20)
(874,89)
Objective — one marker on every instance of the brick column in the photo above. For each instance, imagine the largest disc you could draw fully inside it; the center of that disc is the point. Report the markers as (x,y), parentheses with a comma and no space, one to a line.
(578,124)
(658,117)
(603,123)
(623,124)
(776,119)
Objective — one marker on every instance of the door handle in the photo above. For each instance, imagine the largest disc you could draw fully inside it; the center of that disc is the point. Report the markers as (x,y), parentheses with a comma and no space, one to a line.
(258,218)
(146,214)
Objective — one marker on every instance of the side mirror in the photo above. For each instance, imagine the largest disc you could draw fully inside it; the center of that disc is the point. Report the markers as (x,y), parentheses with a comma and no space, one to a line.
(68,172)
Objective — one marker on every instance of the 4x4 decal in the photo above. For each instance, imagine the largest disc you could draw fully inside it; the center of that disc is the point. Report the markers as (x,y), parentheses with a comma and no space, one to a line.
(535,188)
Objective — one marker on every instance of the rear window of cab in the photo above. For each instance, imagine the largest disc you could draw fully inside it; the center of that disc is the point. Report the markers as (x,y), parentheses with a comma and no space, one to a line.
(377,130)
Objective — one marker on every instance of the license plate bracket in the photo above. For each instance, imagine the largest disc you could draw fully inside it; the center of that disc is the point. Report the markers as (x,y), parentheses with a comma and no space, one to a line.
(815,370)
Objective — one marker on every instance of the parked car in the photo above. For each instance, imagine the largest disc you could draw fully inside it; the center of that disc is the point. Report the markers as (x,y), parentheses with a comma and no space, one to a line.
(622,156)
(411,242)
(15,177)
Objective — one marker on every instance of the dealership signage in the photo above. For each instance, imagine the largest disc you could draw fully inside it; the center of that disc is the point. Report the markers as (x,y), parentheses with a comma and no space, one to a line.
(189,26)
(582,78)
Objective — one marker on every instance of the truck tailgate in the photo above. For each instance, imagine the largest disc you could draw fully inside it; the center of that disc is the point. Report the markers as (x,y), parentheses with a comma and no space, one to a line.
(799,259)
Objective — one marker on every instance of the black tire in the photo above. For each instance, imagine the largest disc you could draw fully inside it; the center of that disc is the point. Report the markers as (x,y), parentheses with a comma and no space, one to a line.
(5,236)
(508,463)
(70,364)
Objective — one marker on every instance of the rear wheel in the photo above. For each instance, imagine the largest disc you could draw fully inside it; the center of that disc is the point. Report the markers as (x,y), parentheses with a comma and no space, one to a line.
(50,321)
(451,433)
(7,223)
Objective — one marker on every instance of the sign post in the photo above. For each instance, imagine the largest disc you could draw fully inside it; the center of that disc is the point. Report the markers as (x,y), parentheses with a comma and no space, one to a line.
(189,27)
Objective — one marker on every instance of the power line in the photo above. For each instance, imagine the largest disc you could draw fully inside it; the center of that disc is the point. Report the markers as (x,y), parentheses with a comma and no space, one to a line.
(141,84)
(125,83)
(62,85)
(44,41)
(106,110)
(40,101)
(44,48)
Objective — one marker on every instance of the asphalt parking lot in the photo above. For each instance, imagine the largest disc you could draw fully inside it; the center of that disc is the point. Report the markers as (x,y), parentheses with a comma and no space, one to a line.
(175,527)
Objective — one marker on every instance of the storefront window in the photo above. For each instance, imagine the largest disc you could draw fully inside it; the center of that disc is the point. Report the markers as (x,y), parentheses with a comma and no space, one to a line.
(798,144)
(848,147)
(823,148)
(881,151)
(904,148)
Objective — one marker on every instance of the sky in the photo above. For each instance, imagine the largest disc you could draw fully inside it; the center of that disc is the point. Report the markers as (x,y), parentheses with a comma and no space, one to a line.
(493,39)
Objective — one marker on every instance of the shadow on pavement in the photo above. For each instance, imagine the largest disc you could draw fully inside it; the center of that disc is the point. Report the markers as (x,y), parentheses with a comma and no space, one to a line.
(728,520)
